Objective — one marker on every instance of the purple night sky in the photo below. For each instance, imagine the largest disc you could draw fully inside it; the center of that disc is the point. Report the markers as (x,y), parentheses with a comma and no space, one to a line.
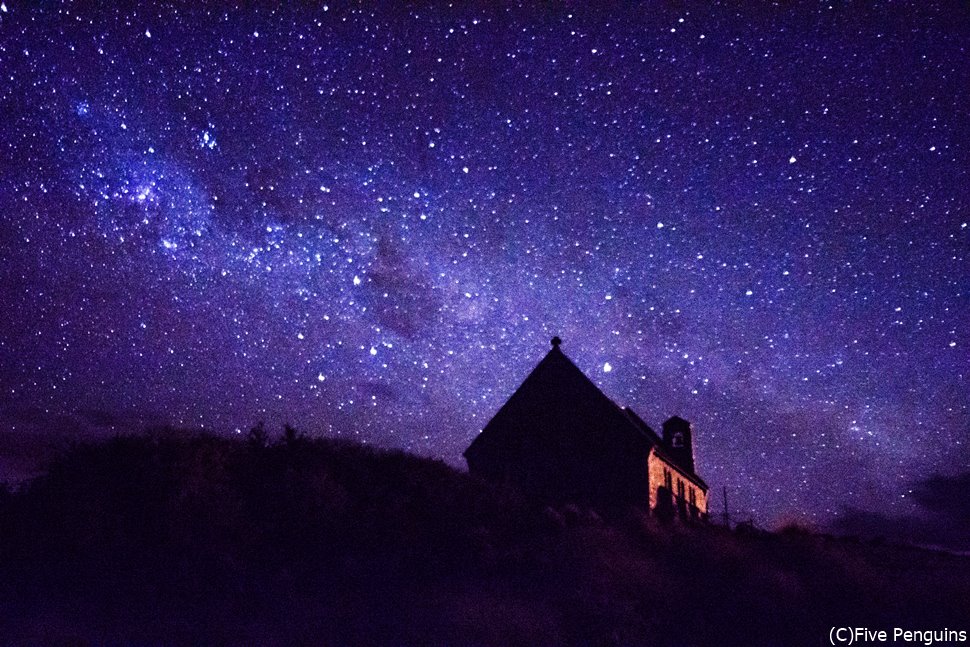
(369,223)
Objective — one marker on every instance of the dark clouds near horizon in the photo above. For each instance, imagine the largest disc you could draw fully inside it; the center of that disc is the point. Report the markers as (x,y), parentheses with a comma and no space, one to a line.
(369,223)
(940,516)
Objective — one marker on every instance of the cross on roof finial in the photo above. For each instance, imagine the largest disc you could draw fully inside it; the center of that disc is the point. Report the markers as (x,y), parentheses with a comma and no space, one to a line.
(556,341)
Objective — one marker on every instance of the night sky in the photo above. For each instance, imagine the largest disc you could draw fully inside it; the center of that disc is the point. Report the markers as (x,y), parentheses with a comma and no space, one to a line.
(369,224)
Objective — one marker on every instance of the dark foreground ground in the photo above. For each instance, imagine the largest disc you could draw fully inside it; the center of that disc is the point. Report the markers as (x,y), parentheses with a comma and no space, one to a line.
(200,540)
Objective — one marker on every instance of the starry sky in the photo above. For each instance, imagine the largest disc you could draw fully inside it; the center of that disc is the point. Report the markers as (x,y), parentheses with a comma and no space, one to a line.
(369,223)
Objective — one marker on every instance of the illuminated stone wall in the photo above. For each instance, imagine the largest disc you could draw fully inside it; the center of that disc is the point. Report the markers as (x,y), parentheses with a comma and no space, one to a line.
(656,466)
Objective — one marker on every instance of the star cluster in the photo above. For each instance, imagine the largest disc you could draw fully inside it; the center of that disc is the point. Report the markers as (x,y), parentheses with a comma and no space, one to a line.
(369,223)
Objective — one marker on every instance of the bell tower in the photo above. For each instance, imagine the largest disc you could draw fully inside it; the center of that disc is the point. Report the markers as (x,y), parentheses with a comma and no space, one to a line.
(677,442)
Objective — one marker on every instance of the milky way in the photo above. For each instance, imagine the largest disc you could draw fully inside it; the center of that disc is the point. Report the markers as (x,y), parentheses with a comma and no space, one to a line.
(370,223)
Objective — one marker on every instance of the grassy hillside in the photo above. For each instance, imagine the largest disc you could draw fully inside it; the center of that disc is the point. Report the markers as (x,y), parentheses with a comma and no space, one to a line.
(200,540)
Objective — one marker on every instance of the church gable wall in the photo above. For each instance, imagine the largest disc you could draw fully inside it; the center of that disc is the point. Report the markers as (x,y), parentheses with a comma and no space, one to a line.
(683,496)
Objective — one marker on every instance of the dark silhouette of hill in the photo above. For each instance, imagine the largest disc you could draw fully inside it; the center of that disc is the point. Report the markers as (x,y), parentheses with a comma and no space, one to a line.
(202,540)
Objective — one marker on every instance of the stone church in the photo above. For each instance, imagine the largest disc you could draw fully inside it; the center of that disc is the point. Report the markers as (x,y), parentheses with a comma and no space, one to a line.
(563,440)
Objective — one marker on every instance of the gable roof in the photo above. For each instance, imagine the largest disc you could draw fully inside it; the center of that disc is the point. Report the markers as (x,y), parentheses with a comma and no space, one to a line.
(552,395)
(644,428)
(557,396)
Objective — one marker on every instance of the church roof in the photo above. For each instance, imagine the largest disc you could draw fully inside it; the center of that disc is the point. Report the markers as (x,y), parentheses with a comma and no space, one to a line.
(557,396)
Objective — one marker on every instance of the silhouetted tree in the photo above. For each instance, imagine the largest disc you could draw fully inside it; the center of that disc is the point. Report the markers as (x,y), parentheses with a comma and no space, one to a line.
(290,435)
(258,436)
